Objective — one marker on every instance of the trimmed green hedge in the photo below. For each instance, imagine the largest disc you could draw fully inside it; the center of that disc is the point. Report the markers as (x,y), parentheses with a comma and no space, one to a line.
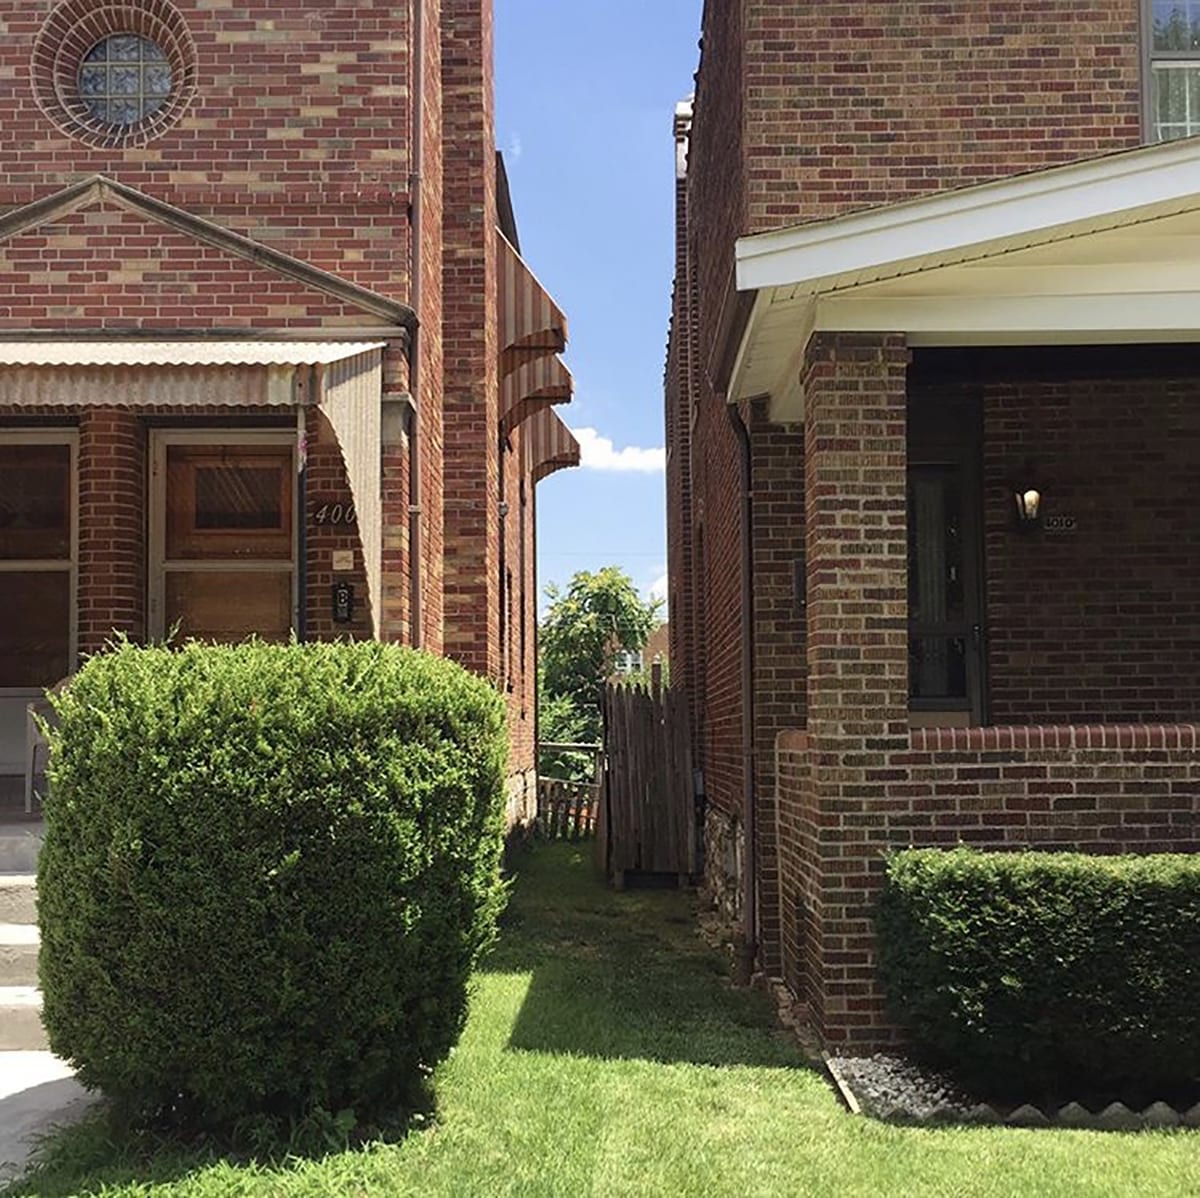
(268,873)
(1046,969)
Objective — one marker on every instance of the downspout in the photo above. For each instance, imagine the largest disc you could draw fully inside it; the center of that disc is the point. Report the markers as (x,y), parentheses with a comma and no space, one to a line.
(415,477)
(302,511)
(746,940)
(502,589)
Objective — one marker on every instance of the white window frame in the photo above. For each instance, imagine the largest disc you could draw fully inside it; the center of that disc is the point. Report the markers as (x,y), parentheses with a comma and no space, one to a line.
(1168,59)
(159,566)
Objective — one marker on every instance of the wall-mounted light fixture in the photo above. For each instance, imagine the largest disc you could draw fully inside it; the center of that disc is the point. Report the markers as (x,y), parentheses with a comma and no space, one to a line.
(1029,505)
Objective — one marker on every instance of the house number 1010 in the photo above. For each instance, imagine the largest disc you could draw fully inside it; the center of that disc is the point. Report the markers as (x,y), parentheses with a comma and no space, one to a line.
(335,513)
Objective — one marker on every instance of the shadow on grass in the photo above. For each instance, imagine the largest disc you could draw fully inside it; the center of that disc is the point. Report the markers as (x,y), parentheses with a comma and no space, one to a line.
(614,976)
(624,975)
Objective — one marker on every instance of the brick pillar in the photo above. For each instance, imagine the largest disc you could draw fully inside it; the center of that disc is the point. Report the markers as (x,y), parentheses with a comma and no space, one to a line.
(112,526)
(470,341)
(857,571)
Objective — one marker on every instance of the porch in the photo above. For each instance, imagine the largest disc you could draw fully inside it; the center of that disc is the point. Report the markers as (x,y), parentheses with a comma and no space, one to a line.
(978,671)
(213,489)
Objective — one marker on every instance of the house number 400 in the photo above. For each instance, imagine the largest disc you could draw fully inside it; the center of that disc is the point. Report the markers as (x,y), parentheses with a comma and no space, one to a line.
(335,513)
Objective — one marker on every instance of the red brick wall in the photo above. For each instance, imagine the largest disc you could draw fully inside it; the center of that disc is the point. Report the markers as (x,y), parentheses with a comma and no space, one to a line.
(1101,790)
(856,104)
(777,481)
(112,522)
(681,392)
(432,314)
(857,637)
(108,268)
(471,480)
(518,627)
(298,133)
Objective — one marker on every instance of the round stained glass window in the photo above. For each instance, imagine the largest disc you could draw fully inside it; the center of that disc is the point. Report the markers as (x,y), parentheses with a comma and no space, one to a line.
(124,79)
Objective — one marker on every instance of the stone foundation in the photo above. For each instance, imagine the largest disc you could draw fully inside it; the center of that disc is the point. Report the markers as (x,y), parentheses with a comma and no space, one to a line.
(724,858)
(521,809)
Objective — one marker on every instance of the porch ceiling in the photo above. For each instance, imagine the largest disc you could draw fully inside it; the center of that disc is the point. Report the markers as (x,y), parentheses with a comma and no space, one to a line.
(1102,251)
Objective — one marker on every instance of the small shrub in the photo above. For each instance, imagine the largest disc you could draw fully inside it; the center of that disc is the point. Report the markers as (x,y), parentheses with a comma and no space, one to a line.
(1046,969)
(268,873)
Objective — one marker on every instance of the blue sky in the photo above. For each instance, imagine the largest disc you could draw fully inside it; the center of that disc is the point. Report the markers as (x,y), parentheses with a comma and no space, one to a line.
(585,96)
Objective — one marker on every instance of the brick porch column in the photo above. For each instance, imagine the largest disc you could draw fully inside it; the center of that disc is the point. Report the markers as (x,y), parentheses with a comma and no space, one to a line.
(857,570)
(112,526)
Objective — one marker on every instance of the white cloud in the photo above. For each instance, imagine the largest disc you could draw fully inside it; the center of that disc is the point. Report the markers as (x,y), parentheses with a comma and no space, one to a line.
(599,453)
(658,588)
(515,148)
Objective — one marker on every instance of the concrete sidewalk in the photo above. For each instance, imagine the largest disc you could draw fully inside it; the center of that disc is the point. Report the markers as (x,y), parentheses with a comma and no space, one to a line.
(37,1092)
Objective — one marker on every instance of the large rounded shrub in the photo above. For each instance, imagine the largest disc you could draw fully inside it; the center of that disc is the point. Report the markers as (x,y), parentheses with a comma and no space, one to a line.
(268,873)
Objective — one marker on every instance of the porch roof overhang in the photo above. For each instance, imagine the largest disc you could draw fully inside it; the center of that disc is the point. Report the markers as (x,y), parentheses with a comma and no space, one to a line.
(175,373)
(1106,250)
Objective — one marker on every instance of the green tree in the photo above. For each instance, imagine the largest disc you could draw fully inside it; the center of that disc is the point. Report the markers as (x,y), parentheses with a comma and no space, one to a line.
(584,628)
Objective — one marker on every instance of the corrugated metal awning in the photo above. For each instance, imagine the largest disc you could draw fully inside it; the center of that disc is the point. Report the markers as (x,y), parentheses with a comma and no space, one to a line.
(181,353)
(547,445)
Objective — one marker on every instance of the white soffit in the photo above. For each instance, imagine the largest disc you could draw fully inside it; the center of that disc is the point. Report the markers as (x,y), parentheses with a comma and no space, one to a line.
(181,353)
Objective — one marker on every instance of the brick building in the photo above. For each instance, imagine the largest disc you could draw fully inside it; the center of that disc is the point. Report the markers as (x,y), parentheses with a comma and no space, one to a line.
(270,359)
(933,438)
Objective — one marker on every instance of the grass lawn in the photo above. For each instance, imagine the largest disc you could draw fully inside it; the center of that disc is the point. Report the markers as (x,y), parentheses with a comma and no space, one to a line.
(605,1055)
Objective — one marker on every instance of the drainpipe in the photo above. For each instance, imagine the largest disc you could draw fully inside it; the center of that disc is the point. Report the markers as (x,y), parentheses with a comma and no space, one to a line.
(746,940)
(302,512)
(417,24)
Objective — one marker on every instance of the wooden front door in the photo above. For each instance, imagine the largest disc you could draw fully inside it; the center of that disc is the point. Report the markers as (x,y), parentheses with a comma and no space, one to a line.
(224,547)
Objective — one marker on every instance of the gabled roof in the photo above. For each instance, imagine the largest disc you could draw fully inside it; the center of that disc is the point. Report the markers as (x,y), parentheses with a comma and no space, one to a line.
(1102,250)
(99,190)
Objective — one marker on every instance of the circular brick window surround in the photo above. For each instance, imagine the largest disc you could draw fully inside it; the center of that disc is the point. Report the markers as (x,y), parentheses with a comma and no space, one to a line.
(115,74)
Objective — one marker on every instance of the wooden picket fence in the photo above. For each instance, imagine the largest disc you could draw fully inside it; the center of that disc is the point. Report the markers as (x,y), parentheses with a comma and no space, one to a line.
(648,821)
(568,810)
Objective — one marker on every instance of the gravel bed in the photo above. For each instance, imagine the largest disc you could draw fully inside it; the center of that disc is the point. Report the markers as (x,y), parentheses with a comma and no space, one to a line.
(895,1088)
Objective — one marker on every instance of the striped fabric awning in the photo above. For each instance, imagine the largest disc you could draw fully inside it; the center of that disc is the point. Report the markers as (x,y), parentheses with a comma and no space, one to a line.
(533,330)
(547,445)
(529,319)
(536,384)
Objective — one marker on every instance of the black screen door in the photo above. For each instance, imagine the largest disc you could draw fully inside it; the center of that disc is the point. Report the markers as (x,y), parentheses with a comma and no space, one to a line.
(945,621)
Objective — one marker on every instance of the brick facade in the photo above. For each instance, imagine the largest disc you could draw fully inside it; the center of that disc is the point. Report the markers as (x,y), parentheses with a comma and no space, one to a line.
(298,138)
(804,113)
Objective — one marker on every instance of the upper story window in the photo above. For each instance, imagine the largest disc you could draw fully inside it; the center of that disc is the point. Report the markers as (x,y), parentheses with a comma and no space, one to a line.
(1174,53)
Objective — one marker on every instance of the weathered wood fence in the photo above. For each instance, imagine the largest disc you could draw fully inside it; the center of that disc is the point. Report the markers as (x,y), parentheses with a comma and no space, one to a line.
(648,821)
(569,810)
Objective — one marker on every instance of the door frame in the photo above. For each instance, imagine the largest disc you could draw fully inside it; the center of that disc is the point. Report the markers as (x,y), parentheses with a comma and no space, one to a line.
(21,696)
(157,564)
